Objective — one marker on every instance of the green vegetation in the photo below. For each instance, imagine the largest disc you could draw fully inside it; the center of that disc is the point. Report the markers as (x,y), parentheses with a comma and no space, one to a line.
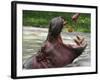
(42,19)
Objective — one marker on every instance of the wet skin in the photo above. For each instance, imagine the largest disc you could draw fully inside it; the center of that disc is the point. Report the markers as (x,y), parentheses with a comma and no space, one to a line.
(54,53)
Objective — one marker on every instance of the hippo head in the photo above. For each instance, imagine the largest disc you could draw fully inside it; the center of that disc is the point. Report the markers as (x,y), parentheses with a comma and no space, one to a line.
(55,27)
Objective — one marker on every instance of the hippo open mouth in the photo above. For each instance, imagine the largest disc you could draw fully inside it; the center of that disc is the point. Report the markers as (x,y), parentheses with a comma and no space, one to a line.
(54,53)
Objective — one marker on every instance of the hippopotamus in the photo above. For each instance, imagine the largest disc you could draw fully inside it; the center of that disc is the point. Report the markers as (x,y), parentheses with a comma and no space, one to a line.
(54,53)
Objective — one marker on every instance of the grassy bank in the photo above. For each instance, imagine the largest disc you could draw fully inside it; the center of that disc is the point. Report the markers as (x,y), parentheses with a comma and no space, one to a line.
(42,19)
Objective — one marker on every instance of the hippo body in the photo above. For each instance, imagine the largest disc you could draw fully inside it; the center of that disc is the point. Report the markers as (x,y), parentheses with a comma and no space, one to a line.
(54,53)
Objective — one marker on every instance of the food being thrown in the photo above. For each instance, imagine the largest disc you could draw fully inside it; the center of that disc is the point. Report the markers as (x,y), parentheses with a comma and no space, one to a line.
(75,17)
